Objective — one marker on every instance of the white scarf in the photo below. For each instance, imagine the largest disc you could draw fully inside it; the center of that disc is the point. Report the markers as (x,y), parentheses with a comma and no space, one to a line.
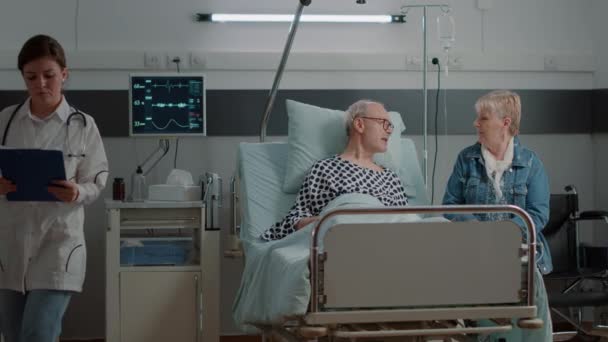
(496,168)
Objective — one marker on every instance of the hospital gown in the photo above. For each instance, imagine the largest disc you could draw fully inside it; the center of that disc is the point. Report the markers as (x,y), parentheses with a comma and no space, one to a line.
(330,178)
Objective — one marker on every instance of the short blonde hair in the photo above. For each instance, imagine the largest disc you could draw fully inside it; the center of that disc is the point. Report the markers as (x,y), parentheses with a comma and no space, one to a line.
(504,103)
(357,109)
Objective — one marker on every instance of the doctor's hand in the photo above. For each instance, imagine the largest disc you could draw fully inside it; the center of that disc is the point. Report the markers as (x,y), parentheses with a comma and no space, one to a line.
(6,186)
(65,191)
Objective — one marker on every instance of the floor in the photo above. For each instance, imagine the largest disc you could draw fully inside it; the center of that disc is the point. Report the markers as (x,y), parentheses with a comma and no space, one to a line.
(239,338)
(244,338)
(250,338)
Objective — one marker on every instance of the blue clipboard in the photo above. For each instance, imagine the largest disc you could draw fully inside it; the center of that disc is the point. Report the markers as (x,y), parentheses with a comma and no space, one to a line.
(32,171)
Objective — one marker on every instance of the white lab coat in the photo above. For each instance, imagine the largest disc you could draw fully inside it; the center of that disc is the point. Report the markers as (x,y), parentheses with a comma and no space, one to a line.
(42,244)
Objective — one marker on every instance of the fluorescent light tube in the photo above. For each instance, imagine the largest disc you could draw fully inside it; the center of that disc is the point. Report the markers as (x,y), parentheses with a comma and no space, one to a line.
(317,18)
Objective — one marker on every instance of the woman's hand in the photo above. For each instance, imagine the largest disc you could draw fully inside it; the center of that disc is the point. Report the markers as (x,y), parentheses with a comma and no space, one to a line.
(305,221)
(65,191)
(6,186)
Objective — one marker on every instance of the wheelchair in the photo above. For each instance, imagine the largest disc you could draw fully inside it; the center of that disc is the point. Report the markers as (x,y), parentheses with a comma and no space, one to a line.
(580,276)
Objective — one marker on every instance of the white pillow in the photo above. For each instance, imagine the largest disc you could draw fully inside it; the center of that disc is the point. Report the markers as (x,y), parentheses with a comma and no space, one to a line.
(316,133)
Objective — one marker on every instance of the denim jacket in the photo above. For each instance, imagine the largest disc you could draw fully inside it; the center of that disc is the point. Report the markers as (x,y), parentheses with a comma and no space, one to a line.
(526,185)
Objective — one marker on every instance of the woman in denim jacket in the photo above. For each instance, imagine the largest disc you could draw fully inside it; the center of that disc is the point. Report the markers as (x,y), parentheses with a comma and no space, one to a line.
(499,170)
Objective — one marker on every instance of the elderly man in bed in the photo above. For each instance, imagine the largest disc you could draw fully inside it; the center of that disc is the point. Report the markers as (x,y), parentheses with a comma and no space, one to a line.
(368,128)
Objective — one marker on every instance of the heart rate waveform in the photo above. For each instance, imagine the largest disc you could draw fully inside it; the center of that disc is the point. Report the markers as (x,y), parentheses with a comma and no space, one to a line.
(170,105)
(162,128)
(194,121)
(165,105)
(170,86)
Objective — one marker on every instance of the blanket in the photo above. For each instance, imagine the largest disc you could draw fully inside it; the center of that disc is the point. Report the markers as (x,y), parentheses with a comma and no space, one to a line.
(275,285)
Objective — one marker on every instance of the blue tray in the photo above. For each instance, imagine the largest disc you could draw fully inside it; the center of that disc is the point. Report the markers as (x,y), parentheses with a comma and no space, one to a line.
(155,252)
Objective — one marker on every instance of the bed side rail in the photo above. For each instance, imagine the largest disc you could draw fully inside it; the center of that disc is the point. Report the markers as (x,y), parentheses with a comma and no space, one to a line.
(233,243)
(417,269)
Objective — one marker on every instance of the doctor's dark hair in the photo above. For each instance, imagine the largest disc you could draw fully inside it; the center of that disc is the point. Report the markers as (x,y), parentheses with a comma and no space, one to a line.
(40,46)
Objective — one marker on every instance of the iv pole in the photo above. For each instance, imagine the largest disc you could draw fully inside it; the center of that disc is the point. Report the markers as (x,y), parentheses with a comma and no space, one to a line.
(404,10)
(277,78)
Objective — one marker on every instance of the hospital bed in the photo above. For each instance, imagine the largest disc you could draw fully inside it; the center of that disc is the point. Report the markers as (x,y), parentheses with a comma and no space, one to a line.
(359,274)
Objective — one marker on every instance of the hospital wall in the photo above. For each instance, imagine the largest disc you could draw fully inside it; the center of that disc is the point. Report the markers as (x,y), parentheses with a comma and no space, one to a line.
(543,48)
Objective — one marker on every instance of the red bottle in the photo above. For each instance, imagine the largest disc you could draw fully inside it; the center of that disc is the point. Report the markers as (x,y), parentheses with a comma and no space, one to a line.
(118,189)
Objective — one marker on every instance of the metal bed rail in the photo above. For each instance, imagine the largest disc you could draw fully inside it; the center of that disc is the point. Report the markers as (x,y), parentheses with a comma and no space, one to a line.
(315,258)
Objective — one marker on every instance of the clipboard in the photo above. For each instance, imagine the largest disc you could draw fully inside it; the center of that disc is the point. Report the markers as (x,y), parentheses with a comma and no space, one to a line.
(32,170)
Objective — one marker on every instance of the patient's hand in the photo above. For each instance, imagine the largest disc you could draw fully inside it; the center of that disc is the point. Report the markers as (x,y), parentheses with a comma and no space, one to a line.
(305,221)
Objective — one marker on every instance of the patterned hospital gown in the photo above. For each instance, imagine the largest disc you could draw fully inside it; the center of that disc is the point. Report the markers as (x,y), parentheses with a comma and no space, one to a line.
(330,178)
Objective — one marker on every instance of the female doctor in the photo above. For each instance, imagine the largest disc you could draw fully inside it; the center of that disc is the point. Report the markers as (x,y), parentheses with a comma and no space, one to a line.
(42,245)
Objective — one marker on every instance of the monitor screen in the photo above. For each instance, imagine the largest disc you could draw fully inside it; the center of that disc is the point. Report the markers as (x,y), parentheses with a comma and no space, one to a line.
(167,105)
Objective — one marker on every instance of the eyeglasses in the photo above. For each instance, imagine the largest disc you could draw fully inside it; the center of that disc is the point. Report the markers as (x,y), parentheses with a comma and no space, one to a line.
(386,124)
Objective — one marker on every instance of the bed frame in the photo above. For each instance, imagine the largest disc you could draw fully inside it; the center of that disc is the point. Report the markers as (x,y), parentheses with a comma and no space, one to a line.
(430,279)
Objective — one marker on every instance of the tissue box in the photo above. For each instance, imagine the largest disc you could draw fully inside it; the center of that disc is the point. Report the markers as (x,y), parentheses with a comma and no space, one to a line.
(167,192)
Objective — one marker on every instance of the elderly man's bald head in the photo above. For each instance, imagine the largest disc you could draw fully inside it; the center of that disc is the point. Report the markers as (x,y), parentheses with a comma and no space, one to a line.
(361,108)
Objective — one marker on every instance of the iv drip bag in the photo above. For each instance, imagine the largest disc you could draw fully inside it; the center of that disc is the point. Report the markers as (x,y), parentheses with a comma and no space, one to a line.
(446,30)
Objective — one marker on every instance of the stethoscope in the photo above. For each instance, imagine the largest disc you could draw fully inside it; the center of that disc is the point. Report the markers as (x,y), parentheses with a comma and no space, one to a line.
(76,114)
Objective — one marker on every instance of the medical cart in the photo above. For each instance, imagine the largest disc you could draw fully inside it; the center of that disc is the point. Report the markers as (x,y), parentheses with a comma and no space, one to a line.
(162,273)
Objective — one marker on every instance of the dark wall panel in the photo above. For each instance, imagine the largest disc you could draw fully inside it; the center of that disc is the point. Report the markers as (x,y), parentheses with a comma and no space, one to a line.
(599,111)
(238,112)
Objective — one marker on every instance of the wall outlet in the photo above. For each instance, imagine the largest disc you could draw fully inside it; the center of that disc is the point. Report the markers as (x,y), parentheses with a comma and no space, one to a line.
(197,60)
(455,63)
(154,60)
(173,58)
(550,63)
(413,63)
